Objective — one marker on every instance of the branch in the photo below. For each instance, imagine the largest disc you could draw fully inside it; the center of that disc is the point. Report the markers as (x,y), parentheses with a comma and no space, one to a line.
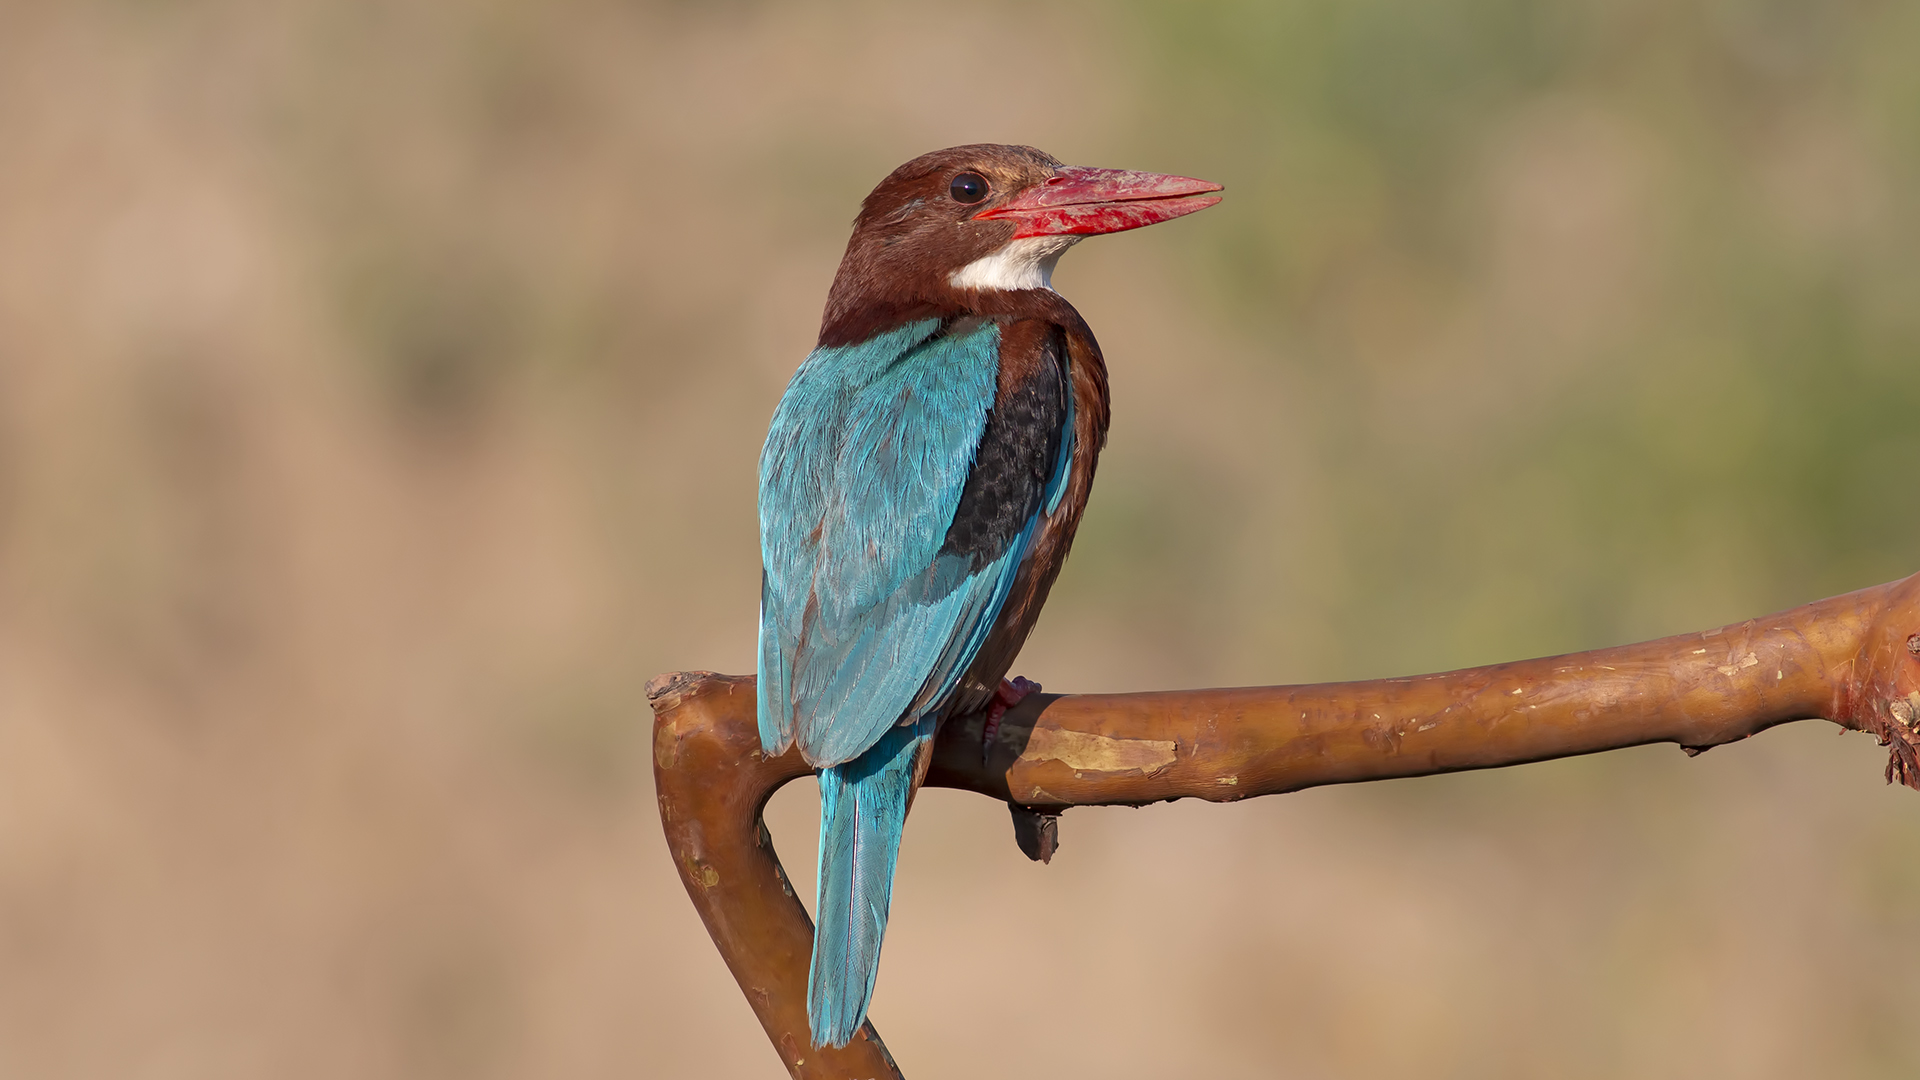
(1853,659)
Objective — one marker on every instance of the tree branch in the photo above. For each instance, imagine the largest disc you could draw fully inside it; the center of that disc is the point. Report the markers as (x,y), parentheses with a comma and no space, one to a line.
(1853,659)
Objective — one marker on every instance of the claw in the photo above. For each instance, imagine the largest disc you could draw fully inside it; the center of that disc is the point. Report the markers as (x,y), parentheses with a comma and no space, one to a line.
(1006,697)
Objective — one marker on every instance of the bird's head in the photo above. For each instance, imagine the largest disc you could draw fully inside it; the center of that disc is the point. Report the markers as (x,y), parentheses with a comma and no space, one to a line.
(949,231)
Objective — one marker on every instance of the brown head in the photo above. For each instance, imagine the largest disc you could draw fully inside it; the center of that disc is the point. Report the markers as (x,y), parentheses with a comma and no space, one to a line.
(954,231)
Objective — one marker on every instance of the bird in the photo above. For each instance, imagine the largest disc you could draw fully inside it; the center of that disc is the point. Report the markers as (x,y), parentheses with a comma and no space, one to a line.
(920,485)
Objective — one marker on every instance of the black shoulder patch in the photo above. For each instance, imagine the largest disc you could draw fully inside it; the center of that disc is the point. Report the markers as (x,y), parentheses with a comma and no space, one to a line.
(1018,453)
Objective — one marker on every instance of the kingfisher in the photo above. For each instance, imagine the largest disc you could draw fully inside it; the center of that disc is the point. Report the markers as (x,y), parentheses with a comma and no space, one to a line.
(920,485)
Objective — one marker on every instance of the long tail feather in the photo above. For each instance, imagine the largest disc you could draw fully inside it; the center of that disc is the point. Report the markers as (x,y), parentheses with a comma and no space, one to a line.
(863,808)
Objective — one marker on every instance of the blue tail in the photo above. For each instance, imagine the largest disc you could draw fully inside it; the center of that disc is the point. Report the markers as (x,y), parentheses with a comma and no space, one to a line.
(863,807)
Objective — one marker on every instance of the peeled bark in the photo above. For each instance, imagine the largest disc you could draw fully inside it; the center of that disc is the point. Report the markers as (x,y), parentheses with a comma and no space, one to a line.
(1853,659)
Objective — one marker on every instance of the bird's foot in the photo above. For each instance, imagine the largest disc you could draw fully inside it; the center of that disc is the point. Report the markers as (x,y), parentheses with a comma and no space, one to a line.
(1006,697)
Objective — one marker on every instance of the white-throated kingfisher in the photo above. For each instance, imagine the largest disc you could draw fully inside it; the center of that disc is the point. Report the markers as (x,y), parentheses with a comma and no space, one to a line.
(919,488)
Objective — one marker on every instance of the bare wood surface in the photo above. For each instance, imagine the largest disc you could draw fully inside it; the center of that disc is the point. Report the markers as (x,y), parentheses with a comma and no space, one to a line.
(1853,659)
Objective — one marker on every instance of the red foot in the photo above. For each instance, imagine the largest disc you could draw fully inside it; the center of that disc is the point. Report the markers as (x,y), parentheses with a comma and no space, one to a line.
(1009,695)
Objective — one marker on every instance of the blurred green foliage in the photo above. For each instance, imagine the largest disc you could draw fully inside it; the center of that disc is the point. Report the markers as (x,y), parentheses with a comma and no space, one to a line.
(1678,245)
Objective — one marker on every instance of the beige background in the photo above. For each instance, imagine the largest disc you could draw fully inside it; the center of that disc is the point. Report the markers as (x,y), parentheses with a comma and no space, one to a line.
(380,391)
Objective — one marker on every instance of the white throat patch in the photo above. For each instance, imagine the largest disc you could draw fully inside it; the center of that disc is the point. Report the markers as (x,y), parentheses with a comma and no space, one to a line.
(1022,264)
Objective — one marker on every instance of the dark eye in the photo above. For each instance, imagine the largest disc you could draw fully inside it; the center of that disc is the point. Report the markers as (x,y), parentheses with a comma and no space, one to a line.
(968,188)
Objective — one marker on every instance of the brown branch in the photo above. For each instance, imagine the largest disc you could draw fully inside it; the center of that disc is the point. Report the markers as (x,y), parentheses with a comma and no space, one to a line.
(1854,659)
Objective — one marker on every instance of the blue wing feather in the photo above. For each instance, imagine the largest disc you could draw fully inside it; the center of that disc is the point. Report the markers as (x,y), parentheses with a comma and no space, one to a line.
(798,469)
(866,628)
(864,466)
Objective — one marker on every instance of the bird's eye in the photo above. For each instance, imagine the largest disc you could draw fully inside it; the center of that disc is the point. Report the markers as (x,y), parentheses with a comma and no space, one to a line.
(968,188)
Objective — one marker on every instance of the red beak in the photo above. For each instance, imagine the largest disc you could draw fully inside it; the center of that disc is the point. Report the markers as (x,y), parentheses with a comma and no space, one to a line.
(1087,202)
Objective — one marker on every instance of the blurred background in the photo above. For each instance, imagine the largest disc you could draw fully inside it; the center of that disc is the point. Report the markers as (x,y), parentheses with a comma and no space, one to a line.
(381,386)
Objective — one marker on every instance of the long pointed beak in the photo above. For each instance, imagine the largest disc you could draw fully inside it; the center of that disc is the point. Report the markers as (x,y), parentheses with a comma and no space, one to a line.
(1077,201)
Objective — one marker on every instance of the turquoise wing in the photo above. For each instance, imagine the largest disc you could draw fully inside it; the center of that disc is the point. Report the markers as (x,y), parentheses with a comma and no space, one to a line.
(863,619)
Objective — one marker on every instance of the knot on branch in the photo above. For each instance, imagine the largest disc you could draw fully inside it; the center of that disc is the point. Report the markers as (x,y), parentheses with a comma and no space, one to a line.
(1898,732)
(1885,694)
